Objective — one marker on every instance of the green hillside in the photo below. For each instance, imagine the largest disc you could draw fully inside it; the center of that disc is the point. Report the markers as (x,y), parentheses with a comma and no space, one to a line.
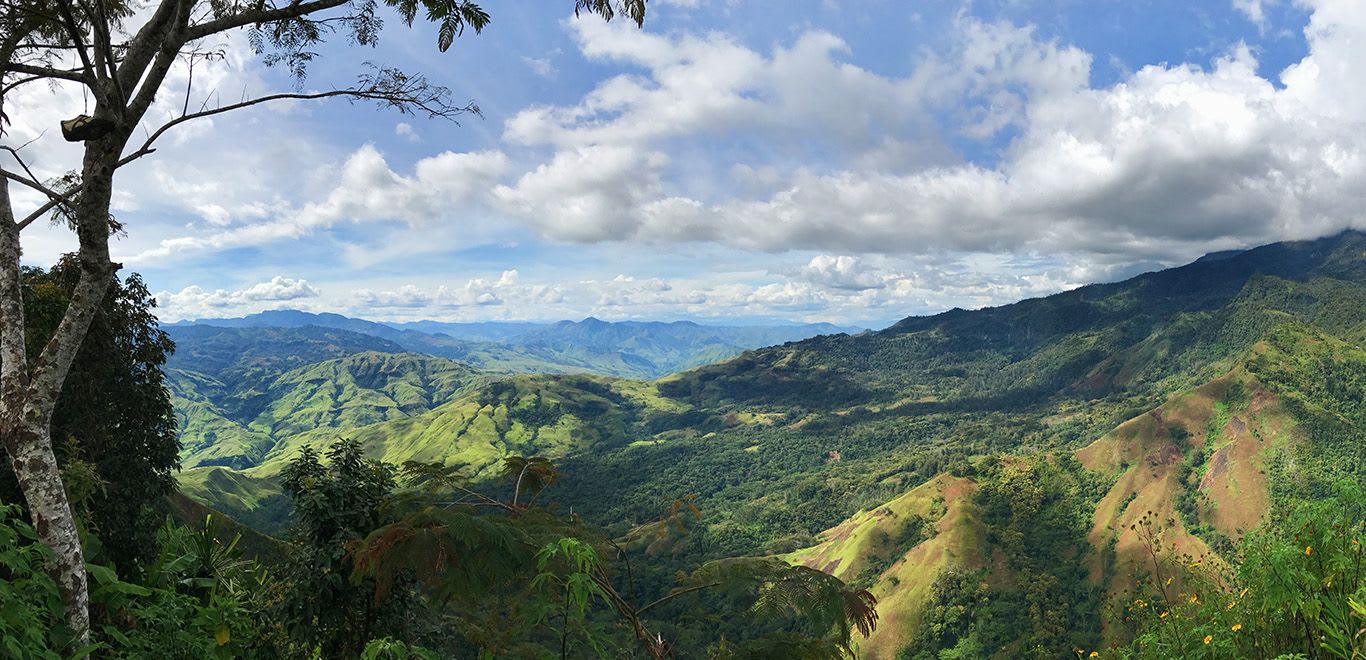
(1215,462)
(238,425)
(996,461)
(550,415)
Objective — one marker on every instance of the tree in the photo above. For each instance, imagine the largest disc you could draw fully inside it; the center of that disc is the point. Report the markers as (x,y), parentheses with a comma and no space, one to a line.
(520,580)
(335,505)
(121,67)
(113,426)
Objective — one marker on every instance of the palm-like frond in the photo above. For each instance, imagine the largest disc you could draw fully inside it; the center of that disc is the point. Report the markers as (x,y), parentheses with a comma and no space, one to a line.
(530,475)
(781,590)
(453,552)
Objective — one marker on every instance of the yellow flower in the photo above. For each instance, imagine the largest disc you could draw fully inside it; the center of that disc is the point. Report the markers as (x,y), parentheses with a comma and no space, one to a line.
(1208,638)
(1236,627)
(1242,593)
(1094,654)
(1230,605)
(1163,615)
(1194,598)
(1308,550)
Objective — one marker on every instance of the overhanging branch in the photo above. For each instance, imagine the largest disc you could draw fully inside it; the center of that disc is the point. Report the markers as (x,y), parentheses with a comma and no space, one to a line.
(42,210)
(419,98)
(45,72)
(254,17)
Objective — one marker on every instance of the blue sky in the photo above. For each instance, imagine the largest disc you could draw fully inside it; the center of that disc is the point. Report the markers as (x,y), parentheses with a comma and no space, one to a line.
(852,162)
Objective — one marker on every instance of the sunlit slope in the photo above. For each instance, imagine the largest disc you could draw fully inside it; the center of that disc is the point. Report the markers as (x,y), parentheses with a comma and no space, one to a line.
(1198,466)
(359,390)
(1205,466)
(224,426)
(207,435)
(550,415)
(898,549)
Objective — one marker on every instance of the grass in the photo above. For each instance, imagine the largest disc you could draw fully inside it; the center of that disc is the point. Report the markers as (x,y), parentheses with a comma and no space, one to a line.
(903,590)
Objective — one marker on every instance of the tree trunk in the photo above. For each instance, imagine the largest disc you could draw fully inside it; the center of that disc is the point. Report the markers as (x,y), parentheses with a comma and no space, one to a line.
(30,451)
(29,444)
(27,439)
(28,394)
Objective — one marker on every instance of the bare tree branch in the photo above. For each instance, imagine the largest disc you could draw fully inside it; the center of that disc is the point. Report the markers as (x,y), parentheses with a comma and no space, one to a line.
(55,198)
(46,72)
(144,45)
(293,10)
(74,31)
(50,193)
(165,57)
(420,97)
(42,210)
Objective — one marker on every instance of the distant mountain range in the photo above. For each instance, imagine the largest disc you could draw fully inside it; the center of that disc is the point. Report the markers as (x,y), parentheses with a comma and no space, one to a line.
(628,349)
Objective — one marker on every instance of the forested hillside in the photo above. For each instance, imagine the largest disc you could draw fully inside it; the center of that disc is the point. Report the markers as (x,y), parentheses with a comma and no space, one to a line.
(1018,461)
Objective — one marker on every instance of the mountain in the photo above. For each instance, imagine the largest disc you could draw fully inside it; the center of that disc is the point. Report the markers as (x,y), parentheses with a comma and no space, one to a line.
(999,464)
(238,425)
(248,357)
(481,422)
(784,447)
(629,349)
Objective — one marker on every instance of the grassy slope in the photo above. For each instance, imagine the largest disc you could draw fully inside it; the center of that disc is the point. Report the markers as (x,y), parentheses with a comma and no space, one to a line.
(359,390)
(220,426)
(1236,428)
(903,588)
(207,435)
(1237,436)
(257,502)
(550,415)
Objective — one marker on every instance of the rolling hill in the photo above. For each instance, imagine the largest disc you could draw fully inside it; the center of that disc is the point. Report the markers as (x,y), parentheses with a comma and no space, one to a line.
(238,425)
(996,462)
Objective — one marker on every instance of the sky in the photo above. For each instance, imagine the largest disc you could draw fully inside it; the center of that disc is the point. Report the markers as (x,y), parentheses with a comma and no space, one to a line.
(744,160)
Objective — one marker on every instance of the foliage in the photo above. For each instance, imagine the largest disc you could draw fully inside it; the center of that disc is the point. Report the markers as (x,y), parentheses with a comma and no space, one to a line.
(197,599)
(1037,512)
(1295,588)
(28,597)
(517,579)
(114,426)
(336,505)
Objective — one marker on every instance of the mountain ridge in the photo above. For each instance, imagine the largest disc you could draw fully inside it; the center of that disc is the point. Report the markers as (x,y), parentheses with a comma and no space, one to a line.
(1015,444)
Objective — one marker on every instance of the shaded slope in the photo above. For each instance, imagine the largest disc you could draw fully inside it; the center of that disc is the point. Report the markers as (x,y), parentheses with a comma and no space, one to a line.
(259,503)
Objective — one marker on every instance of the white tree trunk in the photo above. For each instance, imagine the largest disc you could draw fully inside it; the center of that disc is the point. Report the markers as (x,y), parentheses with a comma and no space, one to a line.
(28,395)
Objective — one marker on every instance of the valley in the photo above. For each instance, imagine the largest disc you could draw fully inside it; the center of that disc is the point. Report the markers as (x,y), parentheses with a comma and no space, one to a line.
(1009,455)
